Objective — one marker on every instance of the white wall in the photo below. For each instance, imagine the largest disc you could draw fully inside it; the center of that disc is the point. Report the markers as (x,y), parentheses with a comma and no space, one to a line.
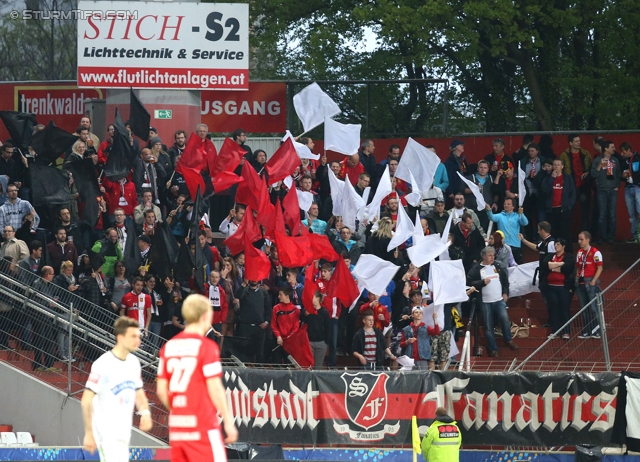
(33,406)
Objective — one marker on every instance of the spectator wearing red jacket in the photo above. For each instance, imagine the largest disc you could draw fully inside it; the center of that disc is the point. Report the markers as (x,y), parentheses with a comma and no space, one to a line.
(380,312)
(218,299)
(285,317)
(105,147)
(120,195)
(351,166)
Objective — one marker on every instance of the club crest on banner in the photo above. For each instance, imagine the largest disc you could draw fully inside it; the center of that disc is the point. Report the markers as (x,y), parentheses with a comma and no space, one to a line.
(366,403)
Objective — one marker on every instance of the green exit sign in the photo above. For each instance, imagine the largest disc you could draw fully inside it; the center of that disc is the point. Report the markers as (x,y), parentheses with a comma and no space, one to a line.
(162,114)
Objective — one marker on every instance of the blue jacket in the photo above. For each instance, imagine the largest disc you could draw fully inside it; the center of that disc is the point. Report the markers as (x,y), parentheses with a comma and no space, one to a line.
(424,345)
(509,223)
(441,179)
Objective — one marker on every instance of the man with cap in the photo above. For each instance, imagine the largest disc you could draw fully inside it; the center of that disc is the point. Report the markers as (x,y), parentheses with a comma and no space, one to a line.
(456,162)
(160,154)
(443,439)
(498,155)
(153,133)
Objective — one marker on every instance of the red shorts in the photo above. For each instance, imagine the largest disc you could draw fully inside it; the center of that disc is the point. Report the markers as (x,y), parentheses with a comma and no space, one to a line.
(210,448)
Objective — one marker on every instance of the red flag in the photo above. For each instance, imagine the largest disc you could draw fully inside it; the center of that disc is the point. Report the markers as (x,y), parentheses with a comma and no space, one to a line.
(194,154)
(249,193)
(257,265)
(224,180)
(265,207)
(292,211)
(193,178)
(342,285)
(298,346)
(276,224)
(209,151)
(283,162)
(248,228)
(293,252)
(309,290)
(322,248)
(228,158)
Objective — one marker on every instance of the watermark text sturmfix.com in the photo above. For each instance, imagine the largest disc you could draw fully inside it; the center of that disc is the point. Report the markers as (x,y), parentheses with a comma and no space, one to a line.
(74,14)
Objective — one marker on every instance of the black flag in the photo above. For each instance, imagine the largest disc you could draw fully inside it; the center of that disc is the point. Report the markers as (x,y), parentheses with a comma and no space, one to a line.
(185,264)
(200,260)
(49,185)
(84,175)
(20,127)
(121,157)
(51,143)
(164,251)
(139,118)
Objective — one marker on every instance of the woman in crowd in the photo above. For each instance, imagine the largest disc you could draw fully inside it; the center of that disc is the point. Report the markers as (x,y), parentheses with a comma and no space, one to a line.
(77,152)
(379,240)
(560,287)
(504,256)
(120,285)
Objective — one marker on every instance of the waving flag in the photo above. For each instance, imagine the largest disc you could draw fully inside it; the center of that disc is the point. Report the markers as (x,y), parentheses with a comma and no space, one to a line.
(312,106)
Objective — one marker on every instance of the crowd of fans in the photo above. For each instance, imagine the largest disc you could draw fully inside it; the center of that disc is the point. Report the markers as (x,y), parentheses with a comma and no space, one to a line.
(109,264)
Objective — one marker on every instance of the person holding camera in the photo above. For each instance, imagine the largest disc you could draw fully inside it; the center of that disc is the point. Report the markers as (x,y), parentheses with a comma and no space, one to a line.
(177,219)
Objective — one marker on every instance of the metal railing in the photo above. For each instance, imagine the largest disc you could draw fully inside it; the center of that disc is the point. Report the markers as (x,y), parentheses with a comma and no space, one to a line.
(617,332)
(55,335)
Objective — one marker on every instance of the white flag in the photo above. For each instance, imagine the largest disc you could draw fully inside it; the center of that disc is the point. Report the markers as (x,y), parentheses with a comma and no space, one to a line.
(337,186)
(418,233)
(305,199)
(384,189)
(448,281)
(404,229)
(342,138)
(476,192)
(351,205)
(521,279)
(426,250)
(447,229)
(414,197)
(312,105)
(421,161)
(374,273)
(522,189)
(302,149)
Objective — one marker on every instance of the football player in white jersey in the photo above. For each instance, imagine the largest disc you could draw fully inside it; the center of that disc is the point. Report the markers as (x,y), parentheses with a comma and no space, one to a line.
(114,386)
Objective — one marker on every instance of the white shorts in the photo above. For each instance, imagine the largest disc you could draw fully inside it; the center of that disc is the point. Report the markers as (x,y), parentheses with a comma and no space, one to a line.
(113,450)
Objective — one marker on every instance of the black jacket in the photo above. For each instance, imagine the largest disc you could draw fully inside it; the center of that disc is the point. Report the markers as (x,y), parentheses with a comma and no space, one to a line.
(381,345)
(568,192)
(474,279)
(568,269)
(472,245)
(255,306)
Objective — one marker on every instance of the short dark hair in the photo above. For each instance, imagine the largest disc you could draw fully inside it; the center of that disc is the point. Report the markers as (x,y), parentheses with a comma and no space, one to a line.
(534,146)
(179,132)
(81,128)
(136,279)
(508,199)
(572,136)
(326,267)
(415,292)
(394,146)
(240,207)
(57,230)
(294,271)
(364,175)
(149,276)
(367,313)
(465,216)
(545,226)
(237,133)
(6,146)
(288,291)
(123,323)
(34,245)
(306,176)
(625,146)
(202,232)
(148,211)
(605,143)
(562,241)
(145,190)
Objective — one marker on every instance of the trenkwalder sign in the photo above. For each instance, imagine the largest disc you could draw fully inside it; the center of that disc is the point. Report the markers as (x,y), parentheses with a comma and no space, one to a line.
(340,407)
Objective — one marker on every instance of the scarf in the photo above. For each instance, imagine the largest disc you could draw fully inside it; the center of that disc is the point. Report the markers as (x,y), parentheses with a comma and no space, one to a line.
(214,297)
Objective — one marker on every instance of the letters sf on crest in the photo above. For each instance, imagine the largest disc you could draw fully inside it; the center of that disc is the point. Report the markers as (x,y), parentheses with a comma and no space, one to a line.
(365,398)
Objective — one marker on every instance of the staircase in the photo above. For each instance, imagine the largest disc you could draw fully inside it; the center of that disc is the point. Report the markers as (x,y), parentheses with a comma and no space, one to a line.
(585,355)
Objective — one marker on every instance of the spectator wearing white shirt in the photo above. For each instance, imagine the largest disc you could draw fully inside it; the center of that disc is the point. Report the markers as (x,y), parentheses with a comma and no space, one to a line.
(230,224)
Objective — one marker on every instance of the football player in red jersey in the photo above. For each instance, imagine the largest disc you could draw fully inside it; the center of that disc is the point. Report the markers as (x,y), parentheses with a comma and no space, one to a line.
(188,373)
